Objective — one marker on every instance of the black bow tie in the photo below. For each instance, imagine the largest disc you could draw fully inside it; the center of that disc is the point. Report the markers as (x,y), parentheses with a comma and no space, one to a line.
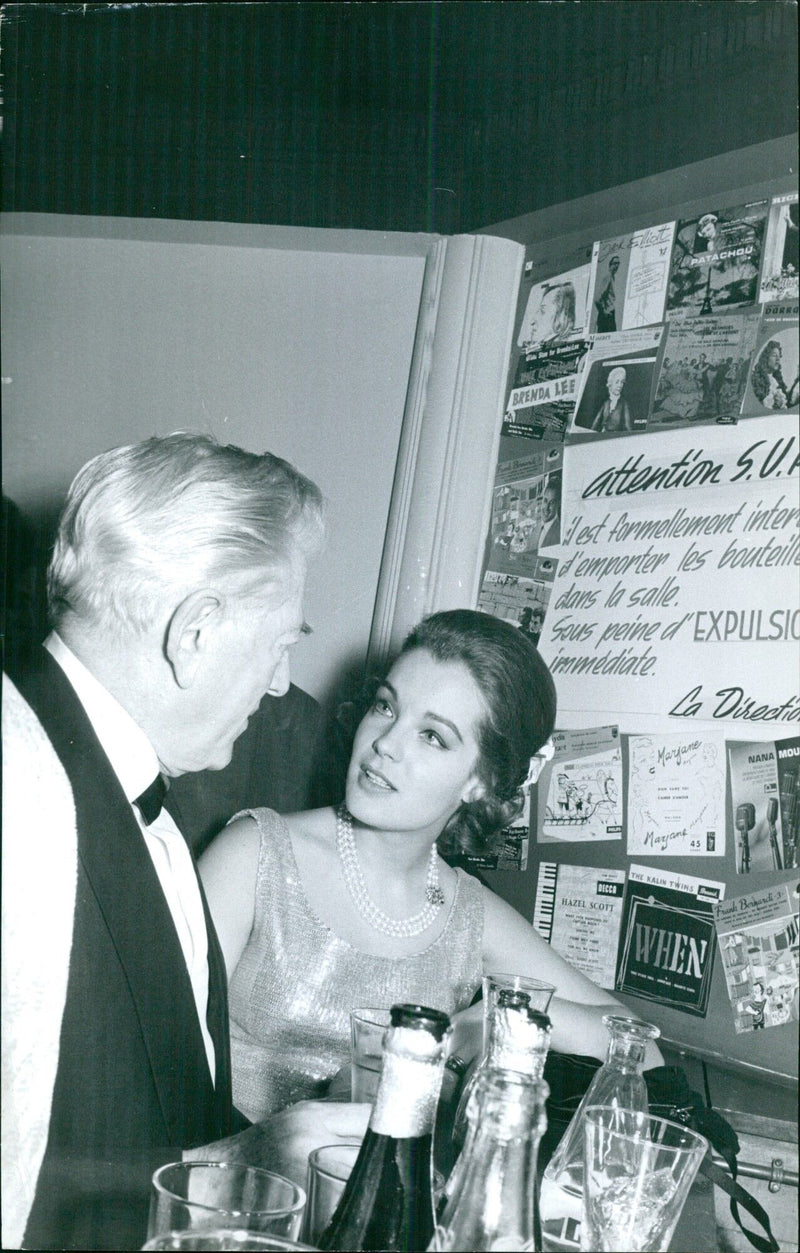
(152,798)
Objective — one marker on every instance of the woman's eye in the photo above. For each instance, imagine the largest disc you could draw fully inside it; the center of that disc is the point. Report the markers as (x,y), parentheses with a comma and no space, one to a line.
(433,737)
(382,706)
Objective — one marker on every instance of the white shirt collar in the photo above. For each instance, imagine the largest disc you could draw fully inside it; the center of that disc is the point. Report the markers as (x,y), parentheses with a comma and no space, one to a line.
(132,756)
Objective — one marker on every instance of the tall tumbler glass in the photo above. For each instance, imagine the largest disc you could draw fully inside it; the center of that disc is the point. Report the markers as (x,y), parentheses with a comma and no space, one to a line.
(202,1196)
(368,1027)
(638,1172)
(223,1240)
(329,1168)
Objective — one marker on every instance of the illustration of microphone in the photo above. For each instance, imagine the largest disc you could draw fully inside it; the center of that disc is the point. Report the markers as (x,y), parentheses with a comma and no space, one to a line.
(745,821)
(772,816)
(790,813)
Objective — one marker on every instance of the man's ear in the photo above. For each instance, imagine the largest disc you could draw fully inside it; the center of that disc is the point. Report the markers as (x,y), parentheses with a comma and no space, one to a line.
(189,630)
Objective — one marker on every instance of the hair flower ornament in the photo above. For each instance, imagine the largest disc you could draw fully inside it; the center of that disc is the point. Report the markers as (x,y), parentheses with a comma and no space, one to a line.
(537,764)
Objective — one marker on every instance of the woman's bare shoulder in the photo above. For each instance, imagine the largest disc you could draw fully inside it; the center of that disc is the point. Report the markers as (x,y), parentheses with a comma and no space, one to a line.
(237,842)
(313,828)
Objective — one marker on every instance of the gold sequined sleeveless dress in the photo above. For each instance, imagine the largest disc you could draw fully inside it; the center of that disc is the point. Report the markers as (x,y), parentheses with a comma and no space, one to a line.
(296,981)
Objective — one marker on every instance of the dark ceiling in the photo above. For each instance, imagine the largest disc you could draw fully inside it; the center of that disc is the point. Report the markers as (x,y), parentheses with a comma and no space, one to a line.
(387,116)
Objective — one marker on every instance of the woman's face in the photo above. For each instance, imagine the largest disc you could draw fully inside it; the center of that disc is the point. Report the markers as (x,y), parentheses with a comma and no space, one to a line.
(773,358)
(415,755)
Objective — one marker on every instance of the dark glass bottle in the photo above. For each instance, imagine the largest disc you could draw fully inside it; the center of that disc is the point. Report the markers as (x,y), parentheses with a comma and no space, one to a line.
(387,1204)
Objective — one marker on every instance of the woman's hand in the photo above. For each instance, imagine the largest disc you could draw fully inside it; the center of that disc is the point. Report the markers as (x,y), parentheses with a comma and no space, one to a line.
(283,1141)
(466,1041)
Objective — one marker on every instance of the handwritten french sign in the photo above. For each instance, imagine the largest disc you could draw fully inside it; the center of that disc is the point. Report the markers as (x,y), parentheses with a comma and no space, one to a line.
(676,588)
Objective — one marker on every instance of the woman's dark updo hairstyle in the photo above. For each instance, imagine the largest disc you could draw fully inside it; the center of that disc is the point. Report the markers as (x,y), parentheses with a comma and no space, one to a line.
(520,699)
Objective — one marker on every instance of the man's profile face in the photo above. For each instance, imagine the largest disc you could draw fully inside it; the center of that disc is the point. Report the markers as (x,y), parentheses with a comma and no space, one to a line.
(246,656)
(543,320)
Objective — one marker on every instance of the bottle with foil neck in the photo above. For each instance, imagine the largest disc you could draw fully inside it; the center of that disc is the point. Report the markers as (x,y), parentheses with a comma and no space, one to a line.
(518,1039)
(618,1082)
(387,1203)
(491,1205)
(518,1042)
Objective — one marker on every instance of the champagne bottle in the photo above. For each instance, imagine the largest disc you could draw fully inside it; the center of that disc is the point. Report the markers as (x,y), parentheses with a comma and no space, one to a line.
(518,1042)
(518,1038)
(387,1204)
(492,1204)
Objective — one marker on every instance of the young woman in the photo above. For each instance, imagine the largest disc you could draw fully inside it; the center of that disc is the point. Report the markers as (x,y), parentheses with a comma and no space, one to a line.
(323,911)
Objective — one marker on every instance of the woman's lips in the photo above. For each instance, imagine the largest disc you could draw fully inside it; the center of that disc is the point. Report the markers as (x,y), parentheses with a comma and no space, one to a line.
(376,779)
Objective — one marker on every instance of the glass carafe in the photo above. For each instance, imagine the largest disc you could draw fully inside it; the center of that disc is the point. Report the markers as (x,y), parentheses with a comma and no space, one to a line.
(619,1082)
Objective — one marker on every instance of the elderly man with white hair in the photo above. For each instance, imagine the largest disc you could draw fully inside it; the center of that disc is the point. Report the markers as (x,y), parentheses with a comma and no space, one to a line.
(176,593)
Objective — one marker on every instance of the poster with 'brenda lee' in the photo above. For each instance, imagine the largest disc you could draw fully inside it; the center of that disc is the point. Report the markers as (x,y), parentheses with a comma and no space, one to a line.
(542,398)
(667,942)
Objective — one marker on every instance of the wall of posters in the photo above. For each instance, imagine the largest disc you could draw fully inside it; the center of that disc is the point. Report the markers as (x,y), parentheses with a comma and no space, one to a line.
(665,595)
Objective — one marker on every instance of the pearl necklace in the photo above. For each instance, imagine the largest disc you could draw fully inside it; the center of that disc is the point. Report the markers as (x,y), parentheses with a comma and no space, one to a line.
(399,927)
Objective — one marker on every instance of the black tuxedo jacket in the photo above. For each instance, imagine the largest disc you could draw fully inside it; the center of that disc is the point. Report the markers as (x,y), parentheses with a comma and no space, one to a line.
(132,1087)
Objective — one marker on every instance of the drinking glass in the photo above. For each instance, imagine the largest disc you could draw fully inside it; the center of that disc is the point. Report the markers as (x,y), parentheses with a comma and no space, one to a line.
(639,1170)
(195,1197)
(227,1240)
(540,994)
(329,1169)
(368,1026)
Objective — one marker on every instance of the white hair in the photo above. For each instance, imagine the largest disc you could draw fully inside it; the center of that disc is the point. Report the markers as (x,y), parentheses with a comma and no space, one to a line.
(146,524)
